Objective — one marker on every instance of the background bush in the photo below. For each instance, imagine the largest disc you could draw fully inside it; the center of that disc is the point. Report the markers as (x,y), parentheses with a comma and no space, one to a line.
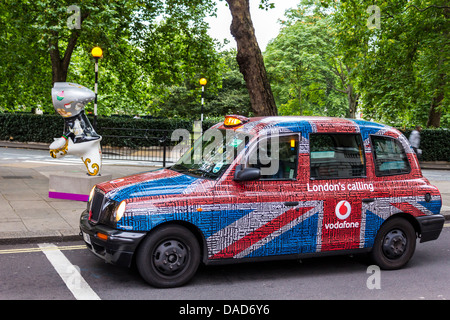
(27,127)
(435,144)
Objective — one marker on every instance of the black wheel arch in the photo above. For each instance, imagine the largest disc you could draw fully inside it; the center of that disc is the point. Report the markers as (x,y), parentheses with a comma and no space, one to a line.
(408,217)
(191,227)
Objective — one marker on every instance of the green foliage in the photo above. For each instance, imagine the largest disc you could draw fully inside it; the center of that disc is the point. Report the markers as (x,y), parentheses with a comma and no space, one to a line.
(230,96)
(27,127)
(305,68)
(149,47)
(155,52)
(402,68)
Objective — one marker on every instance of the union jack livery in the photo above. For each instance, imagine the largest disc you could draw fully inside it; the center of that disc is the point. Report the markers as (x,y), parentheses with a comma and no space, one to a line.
(268,188)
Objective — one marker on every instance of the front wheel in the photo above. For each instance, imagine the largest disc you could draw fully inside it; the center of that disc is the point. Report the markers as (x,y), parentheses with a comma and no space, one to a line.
(169,257)
(394,244)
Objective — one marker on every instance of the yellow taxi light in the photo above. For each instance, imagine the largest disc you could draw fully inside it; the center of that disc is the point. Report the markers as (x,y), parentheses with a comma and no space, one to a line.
(233,121)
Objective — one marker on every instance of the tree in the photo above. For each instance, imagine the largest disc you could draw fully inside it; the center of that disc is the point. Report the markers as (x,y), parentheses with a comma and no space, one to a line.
(343,72)
(129,32)
(250,59)
(401,68)
(232,97)
(303,67)
(97,22)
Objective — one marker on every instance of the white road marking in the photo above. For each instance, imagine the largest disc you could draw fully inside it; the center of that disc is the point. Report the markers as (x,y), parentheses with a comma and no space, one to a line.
(69,273)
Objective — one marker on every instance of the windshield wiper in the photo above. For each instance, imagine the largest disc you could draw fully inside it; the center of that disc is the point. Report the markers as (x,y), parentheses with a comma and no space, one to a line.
(179,168)
(203,173)
(193,171)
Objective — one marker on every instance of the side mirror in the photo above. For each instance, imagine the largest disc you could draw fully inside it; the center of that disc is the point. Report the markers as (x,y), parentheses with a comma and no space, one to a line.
(246,174)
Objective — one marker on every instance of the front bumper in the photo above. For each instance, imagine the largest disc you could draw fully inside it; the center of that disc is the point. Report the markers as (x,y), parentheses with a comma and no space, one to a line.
(430,226)
(118,248)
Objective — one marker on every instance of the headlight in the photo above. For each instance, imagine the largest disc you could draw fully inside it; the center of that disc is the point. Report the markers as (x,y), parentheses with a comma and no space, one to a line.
(91,194)
(120,210)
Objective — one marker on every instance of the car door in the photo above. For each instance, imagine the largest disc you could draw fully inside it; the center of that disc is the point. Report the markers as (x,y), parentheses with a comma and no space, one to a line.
(270,207)
(338,178)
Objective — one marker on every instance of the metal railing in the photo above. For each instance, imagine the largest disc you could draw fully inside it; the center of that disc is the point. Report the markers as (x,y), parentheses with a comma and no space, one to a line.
(152,145)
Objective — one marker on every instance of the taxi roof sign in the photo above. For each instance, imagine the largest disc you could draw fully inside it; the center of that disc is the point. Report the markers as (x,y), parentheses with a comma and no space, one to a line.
(234,120)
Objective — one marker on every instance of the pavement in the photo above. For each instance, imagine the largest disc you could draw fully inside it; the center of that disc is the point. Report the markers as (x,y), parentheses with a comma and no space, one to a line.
(27,214)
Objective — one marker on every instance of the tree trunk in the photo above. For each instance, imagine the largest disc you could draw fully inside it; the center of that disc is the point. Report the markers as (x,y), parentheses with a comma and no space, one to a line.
(434,115)
(250,59)
(300,99)
(60,66)
(352,101)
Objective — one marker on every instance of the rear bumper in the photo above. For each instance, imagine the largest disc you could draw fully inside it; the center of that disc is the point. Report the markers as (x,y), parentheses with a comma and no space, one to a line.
(430,226)
(118,249)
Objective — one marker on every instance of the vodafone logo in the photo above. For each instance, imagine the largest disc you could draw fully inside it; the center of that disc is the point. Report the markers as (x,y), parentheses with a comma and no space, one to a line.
(343,210)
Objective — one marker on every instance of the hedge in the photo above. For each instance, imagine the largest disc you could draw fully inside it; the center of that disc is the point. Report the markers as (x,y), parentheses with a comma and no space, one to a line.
(27,127)
(435,144)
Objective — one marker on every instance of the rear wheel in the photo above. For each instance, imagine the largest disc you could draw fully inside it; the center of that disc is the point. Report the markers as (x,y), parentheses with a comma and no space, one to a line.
(394,244)
(169,257)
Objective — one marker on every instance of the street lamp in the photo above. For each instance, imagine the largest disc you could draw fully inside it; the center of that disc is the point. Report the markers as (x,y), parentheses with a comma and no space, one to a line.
(97,53)
(203,84)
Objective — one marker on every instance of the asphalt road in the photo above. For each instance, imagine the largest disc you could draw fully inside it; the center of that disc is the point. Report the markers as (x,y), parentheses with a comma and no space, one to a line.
(37,271)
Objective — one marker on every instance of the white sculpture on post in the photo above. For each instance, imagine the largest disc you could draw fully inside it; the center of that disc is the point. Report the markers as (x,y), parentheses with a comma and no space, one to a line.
(79,137)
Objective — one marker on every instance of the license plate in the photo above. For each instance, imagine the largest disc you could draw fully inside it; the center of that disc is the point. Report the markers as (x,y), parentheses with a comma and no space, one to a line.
(87,238)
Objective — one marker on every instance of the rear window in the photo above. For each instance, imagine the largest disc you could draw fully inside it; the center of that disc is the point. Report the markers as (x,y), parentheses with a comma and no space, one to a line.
(389,156)
(335,156)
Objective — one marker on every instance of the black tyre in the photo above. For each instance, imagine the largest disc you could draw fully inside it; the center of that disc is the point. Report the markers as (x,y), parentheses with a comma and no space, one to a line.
(169,257)
(394,244)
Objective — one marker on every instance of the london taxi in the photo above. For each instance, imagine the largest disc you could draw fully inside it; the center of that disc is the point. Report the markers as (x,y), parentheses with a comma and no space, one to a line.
(262,188)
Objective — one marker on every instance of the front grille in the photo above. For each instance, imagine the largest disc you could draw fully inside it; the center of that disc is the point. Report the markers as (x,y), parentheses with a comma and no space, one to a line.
(101,209)
(96,206)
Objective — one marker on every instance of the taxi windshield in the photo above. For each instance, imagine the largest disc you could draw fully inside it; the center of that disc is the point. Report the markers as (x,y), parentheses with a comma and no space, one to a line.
(212,153)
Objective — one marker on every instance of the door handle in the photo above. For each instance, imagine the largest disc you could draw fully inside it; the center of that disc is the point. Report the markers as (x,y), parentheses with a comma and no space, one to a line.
(291,203)
(368,200)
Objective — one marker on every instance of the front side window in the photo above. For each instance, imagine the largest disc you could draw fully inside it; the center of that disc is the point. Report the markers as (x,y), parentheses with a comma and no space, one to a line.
(334,156)
(389,156)
(276,156)
(212,154)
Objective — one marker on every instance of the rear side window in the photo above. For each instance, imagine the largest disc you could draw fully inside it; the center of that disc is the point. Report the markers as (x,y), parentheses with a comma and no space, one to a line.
(335,156)
(389,156)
